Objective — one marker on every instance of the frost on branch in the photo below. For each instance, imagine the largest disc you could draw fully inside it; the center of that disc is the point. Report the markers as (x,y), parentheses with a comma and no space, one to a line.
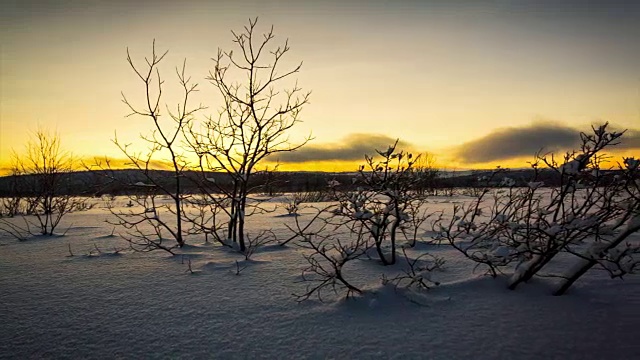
(521,230)
(613,249)
(386,206)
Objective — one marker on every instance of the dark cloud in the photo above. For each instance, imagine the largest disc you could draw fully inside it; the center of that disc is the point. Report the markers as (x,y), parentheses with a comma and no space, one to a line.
(631,139)
(353,147)
(509,143)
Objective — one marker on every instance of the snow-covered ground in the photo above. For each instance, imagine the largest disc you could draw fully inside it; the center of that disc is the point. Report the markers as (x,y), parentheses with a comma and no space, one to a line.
(97,304)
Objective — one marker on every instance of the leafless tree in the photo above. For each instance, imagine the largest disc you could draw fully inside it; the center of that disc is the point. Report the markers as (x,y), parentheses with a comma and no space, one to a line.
(329,244)
(262,238)
(13,204)
(43,170)
(292,204)
(472,232)
(165,139)
(427,174)
(257,113)
(583,207)
(311,227)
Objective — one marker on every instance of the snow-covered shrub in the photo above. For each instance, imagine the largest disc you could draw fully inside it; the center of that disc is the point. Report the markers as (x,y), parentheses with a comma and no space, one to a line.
(529,226)
(11,206)
(476,228)
(384,209)
(291,204)
(611,248)
(386,205)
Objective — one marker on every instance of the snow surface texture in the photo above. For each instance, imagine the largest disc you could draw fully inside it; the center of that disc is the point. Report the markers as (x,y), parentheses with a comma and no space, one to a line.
(133,305)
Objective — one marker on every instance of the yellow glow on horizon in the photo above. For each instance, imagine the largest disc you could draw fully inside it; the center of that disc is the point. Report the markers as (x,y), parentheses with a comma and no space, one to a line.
(97,163)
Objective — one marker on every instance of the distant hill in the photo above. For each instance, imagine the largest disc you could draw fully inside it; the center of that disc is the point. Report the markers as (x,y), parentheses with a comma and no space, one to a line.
(120,182)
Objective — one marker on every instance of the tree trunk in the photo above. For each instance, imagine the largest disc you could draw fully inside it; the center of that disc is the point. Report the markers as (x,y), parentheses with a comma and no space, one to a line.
(178,213)
(240,215)
(588,264)
(532,269)
(381,253)
(232,226)
(394,229)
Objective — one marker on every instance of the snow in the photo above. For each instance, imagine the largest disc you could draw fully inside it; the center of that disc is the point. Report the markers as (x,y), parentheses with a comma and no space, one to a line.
(632,163)
(554,229)
(140,183)
(634,223)
(502,252)
(99,304)
(508,182)
(363,215)
(571,167)
(535,184)
(502,218)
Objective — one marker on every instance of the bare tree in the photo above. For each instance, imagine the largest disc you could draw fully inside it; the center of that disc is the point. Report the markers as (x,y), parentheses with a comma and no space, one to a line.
(582,207)
(165,138)
(13,204)
(427,174)
(292,203)
(254,120)
(43,170)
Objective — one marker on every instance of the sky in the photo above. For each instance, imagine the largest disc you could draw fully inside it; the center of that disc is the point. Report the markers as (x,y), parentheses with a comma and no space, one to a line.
(475,83)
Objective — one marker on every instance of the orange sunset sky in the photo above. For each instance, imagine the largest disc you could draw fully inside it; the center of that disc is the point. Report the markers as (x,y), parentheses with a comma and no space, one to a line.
(476,83)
